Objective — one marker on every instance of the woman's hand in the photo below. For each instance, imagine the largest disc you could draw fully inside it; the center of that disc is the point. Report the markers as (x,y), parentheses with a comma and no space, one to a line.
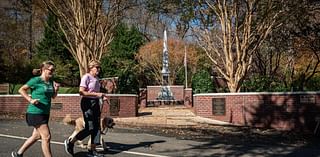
(34,101)
(105,98)
(56,86)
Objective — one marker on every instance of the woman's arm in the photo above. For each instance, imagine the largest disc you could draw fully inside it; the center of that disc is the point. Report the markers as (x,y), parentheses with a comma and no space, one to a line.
(83,92)
(24,92)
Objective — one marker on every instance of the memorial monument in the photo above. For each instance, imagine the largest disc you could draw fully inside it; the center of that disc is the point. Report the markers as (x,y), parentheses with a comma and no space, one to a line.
(165,92)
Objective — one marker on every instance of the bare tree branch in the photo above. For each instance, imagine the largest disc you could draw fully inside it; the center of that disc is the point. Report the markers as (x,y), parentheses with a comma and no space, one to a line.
(240,31)
(88,26)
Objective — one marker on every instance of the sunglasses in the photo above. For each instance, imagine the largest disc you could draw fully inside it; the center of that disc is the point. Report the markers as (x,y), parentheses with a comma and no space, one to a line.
(52,69)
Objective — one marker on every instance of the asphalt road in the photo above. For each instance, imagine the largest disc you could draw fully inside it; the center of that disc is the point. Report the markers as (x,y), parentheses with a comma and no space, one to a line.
(126,142)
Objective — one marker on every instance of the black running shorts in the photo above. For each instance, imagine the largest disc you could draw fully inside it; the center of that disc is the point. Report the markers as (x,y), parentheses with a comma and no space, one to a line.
(37,119)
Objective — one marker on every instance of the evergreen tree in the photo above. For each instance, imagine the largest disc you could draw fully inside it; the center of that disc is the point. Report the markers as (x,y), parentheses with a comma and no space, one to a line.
(51,47)
(120,61)
(202,82)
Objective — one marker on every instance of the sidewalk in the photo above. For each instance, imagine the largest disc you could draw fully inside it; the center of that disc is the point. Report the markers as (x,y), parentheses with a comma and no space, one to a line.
(178,116)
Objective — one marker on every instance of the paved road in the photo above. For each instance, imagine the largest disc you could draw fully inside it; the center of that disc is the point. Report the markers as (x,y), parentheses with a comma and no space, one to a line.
(135,143)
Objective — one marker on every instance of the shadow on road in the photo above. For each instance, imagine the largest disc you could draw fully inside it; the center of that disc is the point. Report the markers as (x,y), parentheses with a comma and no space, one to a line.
(116,148)
(246,141)
(125,147)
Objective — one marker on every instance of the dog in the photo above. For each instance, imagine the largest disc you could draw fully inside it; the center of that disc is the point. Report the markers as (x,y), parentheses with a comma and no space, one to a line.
(105,124)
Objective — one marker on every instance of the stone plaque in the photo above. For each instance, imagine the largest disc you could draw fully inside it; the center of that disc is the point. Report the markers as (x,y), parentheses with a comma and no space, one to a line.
(307,99)
(219,106)
(114,106)
(4,88)
(56,106)
(151,104)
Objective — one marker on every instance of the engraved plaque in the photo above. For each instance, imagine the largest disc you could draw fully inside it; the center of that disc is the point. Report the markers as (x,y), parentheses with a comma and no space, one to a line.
(307,99)
(56,106)
(219,106)
(114,106)
(151,104)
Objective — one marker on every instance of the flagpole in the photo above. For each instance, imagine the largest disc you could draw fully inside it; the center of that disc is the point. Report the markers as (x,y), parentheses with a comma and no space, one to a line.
(185,65)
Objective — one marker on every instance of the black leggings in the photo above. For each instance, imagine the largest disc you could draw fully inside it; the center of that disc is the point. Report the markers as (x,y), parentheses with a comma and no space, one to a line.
(91,113)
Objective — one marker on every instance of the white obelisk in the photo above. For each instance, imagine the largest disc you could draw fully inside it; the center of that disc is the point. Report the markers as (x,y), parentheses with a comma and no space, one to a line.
(165,61)
(165,92)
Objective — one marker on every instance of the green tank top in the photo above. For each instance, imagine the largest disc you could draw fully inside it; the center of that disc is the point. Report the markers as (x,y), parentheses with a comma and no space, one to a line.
(43,91)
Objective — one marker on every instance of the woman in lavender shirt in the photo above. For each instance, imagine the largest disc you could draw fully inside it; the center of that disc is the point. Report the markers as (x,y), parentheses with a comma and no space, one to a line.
(90,92)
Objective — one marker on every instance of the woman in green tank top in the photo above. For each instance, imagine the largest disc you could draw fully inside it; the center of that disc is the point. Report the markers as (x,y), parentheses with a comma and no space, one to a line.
(43,88)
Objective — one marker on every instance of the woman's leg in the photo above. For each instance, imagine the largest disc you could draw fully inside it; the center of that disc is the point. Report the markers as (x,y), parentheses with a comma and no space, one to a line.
(69,143)
(44,132)
(95,133)
(30,141)
(87,117)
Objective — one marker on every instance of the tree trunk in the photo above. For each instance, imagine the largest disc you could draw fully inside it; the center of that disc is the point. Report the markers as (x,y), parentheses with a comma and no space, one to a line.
(233,86)
(83,59)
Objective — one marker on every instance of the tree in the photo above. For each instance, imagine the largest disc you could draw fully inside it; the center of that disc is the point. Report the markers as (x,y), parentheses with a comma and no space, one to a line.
(202,82)
(14,43)
(306,45)
(51,47)
(88,26)
(291,53)
(120,61)
(150,59)
(241,28)
(151,17)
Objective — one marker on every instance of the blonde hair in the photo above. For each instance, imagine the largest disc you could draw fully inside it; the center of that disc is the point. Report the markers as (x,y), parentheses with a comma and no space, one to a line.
(43,65)
(92,64)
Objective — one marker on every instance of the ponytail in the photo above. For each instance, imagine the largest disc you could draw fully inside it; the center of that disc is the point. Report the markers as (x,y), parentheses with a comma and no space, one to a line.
(42,65)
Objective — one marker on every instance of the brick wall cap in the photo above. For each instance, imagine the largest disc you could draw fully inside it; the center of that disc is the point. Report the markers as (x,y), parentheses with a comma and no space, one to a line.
(118,95)
(11,95)
(256,93)
(169,86)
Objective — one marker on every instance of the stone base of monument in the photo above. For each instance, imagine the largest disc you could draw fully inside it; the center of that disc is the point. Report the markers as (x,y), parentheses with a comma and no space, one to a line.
(158,103)
(165,95)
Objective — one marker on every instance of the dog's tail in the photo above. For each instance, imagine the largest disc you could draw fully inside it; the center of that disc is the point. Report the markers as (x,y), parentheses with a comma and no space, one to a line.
(67,120)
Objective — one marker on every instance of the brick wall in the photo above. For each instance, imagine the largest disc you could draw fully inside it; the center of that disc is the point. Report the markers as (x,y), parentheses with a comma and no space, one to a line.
(177,92)
(69,104)
(283,111)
